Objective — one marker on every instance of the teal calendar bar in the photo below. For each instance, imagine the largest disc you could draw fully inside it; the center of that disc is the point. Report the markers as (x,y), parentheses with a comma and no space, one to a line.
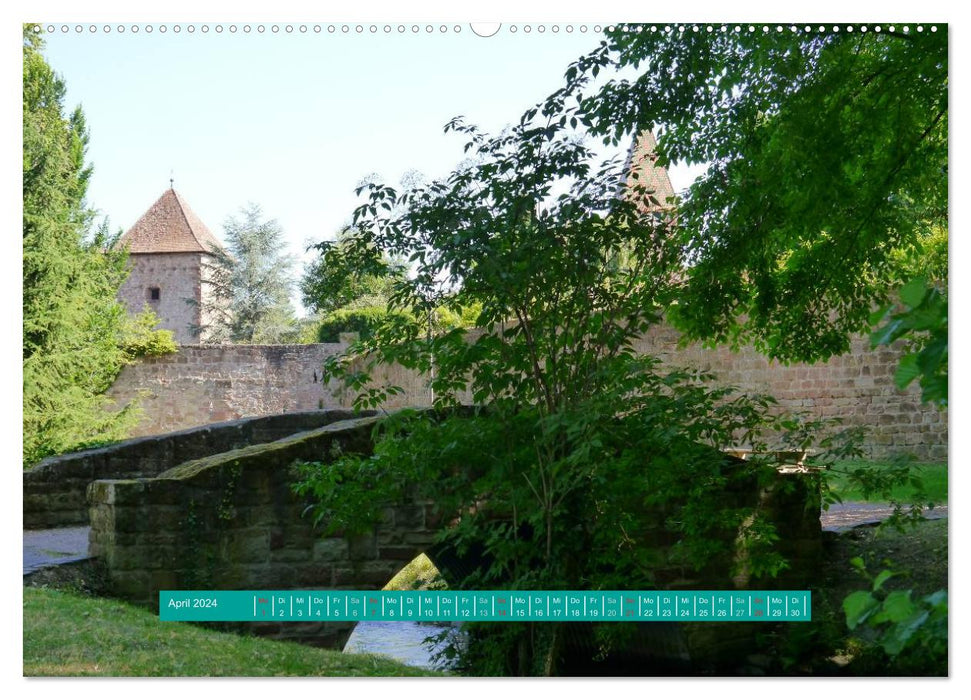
(496,606)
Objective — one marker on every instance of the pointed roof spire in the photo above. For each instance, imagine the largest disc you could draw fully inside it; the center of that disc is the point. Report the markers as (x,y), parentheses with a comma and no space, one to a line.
(642,162)
(169,226)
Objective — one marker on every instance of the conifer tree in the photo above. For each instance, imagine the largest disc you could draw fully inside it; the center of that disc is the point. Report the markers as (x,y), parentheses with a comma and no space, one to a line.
(72,321)
(251,283)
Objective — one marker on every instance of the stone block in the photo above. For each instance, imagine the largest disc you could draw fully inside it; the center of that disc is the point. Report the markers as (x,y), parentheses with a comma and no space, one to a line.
(267,576)
(331,549)
(362,547)
(365,575)
(419,539)
(141,557)
(257,516)
(403,554)
(101,492)
(313,575)
(164,581)
(291,555)
(410,517)
(245,546)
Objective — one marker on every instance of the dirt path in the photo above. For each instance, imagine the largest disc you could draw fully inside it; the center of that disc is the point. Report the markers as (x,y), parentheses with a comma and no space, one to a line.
(844,516)
(48,547)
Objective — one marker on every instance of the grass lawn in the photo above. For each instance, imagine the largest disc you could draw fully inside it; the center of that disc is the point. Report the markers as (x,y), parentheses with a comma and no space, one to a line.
(934,477)
(66,634)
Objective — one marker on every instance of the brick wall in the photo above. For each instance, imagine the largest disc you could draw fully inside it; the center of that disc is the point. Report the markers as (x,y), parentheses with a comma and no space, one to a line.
(205,384)
(857,387)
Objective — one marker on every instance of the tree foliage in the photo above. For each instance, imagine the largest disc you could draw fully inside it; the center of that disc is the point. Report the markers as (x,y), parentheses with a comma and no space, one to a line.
(827,169)
(826,191)
(911,633)
(922,321)
(72,322)
(363,321)
(827,156)
(352,292)
(251,282)
(329,283)
(141,337)
(590,467)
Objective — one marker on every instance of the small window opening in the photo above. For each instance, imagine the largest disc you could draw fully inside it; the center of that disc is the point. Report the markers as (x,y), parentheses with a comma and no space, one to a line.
(154,293)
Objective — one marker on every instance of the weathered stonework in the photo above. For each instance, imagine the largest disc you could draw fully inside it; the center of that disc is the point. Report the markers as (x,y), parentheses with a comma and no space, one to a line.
(178,279)
(199,385)
(857,387)
(54,490)
(171,267)
(231,521)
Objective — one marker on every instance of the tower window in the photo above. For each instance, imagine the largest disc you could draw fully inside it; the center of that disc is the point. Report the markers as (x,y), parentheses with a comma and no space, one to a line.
(154,293)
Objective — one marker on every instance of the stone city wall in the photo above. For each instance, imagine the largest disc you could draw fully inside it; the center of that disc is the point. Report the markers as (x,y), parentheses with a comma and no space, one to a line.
(206,384)
(200,385)
(857,387)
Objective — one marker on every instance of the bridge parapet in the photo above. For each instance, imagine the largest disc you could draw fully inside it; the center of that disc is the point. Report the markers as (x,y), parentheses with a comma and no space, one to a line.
(54,490)
(231,521)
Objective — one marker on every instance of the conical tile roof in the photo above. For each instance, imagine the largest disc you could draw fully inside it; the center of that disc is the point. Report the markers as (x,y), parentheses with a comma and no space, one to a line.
(169,226)
(642,163)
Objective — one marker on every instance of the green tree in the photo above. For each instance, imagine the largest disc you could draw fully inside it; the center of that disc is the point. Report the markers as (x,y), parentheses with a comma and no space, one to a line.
(351,292)
(587,455)
(73,326)
(827,163)
(827,158)
(329,283)
(338,279)
(251,282)
(826,191)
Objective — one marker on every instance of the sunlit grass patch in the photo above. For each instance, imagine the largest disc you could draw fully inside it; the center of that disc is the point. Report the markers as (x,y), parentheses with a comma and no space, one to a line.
(71,635)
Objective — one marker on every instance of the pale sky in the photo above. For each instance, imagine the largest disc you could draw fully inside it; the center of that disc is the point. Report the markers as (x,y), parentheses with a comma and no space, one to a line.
(293,121)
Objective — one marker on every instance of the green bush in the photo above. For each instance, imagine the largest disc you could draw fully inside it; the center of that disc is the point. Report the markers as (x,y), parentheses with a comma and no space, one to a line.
(361,321)
(307,329)
(465,317)
(910,631)
(141,338)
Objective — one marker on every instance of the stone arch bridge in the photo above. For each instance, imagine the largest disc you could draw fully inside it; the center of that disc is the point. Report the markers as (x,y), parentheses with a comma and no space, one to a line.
(213,508)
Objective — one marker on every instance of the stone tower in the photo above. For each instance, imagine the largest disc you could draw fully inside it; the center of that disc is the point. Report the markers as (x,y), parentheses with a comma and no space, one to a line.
(169,255)
(642,163)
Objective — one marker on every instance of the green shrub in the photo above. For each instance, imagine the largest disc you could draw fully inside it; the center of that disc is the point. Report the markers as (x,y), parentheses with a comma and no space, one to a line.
(912,632)
(141,338)
(466,317)
(307,330)
(361,321)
